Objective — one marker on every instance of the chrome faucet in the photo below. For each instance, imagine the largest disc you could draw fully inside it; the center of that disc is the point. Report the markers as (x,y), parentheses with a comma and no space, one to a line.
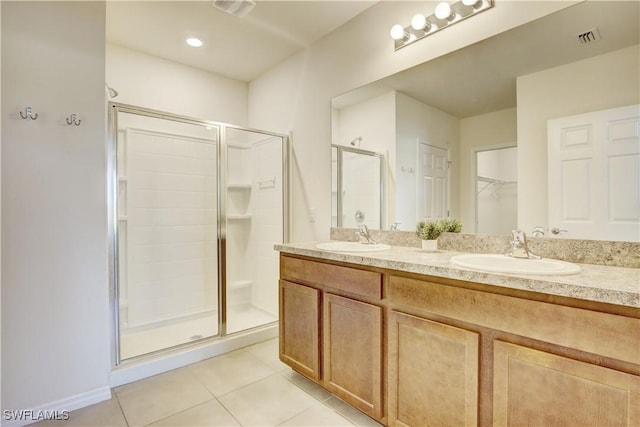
(364,236)
(394,226)
(519,247)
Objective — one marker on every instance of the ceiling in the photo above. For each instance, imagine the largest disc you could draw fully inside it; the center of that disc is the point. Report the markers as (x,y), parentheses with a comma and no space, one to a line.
(481,78)
(234,47)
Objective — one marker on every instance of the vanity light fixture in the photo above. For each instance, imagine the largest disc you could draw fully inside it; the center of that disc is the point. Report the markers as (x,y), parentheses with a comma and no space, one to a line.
(444,11)
(194,42)
(445,15)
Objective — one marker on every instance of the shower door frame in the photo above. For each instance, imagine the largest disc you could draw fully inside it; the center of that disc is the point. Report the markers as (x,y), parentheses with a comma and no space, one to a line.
(221,194)
(340,149)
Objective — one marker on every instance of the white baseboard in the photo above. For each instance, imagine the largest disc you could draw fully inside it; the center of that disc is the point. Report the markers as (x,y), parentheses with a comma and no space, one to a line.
(145,367)
(68,404)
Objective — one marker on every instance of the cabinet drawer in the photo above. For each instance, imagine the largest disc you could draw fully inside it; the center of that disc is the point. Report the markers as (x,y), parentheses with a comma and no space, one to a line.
(359,282)
(595,332)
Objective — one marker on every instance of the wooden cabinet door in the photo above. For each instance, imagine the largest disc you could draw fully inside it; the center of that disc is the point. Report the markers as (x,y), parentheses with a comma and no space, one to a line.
(533,387)
(433,373)
(353,352)
(300,328)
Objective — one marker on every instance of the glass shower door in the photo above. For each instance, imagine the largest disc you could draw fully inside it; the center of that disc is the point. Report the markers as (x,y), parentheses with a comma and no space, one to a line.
(167,232)
(358,190)
(255,221)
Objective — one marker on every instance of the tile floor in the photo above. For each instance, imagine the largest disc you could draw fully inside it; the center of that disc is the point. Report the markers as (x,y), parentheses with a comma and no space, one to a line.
(247,387)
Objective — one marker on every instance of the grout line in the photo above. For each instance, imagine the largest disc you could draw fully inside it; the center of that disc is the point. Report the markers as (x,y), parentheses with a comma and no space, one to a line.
(124,415)
(228,411)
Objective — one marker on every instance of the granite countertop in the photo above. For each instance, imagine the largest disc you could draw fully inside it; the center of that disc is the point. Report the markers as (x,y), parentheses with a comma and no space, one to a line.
(614,285)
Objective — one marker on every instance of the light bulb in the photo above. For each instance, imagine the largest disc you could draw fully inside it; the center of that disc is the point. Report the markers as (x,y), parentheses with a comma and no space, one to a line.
(475,3)
(443,11)
(418,22)
(194,42)
(397,32)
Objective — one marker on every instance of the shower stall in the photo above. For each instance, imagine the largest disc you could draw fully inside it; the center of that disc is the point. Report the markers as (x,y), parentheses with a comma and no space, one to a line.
(357,188)
(195,209)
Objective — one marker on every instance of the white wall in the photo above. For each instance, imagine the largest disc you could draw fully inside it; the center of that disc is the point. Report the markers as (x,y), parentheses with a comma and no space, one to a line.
(375,121)
(497,202)
(417,121)
(148,81)
(491,130)
(55,320)
(295,96)
(598,83)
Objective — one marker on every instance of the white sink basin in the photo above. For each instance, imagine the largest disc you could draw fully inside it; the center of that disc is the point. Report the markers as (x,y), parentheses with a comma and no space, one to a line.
(505,264)
(352,247)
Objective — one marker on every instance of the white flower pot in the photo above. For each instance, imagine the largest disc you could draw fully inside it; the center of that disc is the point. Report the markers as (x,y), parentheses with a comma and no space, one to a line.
(430,245)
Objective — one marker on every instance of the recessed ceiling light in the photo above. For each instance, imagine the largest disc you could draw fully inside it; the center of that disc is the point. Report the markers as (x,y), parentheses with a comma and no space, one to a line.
(194,42)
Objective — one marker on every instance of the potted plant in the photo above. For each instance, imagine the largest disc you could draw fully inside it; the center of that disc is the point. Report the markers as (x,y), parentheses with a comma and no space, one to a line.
(430,230)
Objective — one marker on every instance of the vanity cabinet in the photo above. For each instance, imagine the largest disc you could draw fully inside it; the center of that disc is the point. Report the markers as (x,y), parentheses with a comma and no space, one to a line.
(331,329)
(571,392)
(433,373)
(353,352)
(415,350)
(299,328)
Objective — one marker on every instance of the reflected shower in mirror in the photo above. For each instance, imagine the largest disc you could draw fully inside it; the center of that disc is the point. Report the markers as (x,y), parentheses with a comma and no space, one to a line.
(502,91)
(357,188)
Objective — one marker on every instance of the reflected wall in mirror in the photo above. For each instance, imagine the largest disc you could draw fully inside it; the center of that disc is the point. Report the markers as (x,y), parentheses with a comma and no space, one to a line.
(496,190)
(496,92)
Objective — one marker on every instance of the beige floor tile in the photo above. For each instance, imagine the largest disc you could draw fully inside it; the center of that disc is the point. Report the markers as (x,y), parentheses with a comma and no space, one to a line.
(351,413)
(230,371)
(267,351)
(307,385)
(107,413)
(158,397)
(210,413)
(267,402)
(316,416)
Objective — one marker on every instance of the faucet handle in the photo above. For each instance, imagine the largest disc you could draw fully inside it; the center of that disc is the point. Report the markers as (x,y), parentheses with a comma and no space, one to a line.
(518,236)
(538,231)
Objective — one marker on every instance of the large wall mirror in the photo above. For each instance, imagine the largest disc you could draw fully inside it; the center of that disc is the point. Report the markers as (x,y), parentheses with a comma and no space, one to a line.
(469,134)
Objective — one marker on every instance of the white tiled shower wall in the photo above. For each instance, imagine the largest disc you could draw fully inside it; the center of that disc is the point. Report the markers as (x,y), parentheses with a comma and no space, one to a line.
(168,223)
(361,190)
(267,206)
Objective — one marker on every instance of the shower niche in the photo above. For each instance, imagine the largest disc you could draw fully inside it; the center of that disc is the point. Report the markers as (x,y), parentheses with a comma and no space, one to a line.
(196,209)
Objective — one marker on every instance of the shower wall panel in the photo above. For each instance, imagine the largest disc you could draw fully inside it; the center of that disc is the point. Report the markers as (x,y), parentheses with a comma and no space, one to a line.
(266,162)
(169,231)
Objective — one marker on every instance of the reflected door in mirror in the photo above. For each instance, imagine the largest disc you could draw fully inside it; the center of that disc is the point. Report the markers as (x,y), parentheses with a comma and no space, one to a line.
(594,165)
(433,182)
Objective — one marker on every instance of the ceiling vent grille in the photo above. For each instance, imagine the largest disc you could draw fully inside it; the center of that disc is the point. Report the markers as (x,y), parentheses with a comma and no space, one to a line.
(238,8)
(589,36)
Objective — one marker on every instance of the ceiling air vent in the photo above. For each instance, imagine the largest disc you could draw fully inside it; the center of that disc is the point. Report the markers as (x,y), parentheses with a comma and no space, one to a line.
(589,36)
(238,8)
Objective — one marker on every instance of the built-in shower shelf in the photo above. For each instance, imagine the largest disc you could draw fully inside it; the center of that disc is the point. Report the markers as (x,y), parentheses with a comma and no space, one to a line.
(236,217)
(123,218)
(123,178)
(236,284)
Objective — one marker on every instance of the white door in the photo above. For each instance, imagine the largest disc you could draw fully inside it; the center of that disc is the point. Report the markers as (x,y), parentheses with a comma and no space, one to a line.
(594,174)
(433,182)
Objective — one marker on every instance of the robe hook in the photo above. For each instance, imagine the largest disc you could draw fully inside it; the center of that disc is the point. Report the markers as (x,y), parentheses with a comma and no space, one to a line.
(73,120)
(28,114)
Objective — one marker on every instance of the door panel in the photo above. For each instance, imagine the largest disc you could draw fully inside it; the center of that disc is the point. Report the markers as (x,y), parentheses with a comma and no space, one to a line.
(594,174)
(433,183)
